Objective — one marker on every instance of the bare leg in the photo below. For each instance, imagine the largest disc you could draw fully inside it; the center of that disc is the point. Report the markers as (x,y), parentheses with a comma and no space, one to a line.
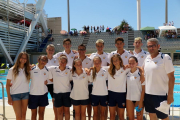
(24,104)
(17,109)
(33,114)
(112,113)
(83,112)
(67,113)
(121,113)
(89,108)
(103,113)
(130,109)
(41,113)
(77,109)
(60,113)
(95,114)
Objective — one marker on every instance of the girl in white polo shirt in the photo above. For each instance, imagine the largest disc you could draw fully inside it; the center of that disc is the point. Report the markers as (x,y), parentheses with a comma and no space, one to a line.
(135,90)
(99,92)
(18,92)
(38,91)
(60,76)
(79,93)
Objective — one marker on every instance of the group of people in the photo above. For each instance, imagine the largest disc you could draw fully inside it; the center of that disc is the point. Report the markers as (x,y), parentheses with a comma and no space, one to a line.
(171,34)
(169,24)
(118,80)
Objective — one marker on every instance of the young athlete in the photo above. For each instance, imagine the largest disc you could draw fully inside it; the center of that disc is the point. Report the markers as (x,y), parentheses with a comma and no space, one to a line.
(60,76)
(18,92)
(135,90)
(79,93)
(38,98)
(99,91)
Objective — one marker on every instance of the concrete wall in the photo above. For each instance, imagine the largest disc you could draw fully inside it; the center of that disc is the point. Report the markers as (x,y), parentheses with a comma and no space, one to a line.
(54,24)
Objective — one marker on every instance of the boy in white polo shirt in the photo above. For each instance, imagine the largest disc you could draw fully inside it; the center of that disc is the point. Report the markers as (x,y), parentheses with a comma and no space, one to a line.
(119,43)
(159,78)
(138,52)
(67,51)
(38,90)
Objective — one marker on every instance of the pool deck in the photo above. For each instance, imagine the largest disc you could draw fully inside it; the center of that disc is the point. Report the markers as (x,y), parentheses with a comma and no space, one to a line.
(49,115)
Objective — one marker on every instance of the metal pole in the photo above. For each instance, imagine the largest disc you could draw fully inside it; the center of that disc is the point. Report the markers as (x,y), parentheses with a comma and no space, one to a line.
(4,118)
(68,16)
(138,14)
(166,11)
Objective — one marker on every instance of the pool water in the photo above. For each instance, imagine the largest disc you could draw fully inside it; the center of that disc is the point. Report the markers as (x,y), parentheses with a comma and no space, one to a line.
(176,87)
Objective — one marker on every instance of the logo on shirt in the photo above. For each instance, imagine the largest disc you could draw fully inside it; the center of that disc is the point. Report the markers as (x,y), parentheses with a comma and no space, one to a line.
(135,77)
(86,63)
(72,57)
(155,62)
(142,56)
(125,56)
(121,71)
(102,74)
(66,72)
(123,104)
(44,73)
(83,77)
(54,61)
(103,57)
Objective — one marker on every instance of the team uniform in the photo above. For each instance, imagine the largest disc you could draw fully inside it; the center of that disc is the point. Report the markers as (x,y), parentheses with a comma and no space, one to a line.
(87,63)
(62,87)
(156,89)
(134,86)
(53,62)
(104,58)
(99,91)
(20,86)
(70,56)
(80,93)
(125,56)
(117,88)
(38,90)
(141,56)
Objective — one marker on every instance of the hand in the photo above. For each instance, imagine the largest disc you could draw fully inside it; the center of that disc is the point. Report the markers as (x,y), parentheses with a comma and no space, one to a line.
(75,57)
(131,52)
(170,99)
(31,66)
(46,82)
(10,84)
(140,105)
(74,51)
(125,67)
(88,71)
(10,102)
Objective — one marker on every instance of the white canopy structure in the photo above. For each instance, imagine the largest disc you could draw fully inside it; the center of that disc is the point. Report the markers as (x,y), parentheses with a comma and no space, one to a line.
(164,28)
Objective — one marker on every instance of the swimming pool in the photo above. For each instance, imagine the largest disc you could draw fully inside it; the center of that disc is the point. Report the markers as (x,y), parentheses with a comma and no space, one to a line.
(176,87)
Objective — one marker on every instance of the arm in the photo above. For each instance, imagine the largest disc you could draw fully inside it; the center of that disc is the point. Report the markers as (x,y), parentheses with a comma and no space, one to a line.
(142,97)
(8,85)
(170,98)
(51,80)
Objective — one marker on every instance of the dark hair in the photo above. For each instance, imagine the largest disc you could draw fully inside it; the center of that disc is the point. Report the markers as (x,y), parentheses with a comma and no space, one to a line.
(119,39)
(134,58)
(74,61)
(67,39)
(82,45)
(43,56)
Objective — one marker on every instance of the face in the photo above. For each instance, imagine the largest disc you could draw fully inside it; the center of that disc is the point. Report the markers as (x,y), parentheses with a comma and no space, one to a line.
(50,51)
(132,63)
(137,44)
(43,61)
(78,65)
(99,47)
(97,62)
(81,50)
(116,61)
(23,59)
(67,45)
(119,45)
(153,47)
(62,63)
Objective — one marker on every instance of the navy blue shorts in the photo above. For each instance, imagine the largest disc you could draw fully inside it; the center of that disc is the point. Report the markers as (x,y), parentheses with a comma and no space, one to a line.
(96,100)
(117,98)
(90,91)
(20,96)
(50,89)
(38,100)
(153,101)
(62,99)
(80,102)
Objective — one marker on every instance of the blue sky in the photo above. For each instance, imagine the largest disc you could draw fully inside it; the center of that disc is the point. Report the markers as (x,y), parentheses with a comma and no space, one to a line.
(111,12)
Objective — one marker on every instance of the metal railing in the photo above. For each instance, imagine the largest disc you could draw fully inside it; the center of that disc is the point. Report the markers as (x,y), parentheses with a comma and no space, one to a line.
(3,115)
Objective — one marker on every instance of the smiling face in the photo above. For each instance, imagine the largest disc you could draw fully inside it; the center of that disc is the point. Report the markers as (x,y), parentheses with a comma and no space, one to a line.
(97,62)
(137,44)
(50,51)
(67,45)
(43,61)
(23,59)
(81,51)
(62,62)
(78,65)
(119,45)
(99,47)
(116,62)
(132,63)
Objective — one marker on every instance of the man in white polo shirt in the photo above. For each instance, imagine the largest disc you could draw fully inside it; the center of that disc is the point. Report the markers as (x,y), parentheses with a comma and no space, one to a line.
(138,52)
(67,51)
(159,78)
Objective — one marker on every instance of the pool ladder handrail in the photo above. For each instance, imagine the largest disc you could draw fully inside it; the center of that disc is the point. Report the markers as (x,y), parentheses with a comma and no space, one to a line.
(4,118)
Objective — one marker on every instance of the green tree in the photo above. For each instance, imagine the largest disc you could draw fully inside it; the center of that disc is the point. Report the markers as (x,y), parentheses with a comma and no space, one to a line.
(125,26)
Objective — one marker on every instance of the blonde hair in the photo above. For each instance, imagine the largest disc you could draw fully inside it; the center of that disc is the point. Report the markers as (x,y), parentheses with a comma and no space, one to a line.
(63,57)
(74,61)
(26,66)
(51,45)
(100,41)
(138,38)
(112,68)
(94,68)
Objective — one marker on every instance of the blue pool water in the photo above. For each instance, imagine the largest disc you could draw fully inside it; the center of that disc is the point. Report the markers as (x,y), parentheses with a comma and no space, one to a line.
(176,87)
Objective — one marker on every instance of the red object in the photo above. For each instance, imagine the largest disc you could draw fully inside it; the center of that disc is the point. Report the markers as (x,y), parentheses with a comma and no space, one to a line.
(27,22)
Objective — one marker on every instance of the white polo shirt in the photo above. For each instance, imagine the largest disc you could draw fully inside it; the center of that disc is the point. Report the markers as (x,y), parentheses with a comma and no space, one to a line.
(38,77)
(20,83)
(87,62)
(104,58)
(70,56)
(80,88)
(52,62)
(61,79)
(156,71)
(99,83)
(118,83)
(141,56)
(125,56)
(134,86)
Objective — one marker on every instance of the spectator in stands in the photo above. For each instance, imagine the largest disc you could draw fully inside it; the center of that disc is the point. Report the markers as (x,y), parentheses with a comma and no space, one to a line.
(97,27)
(103,28)
(94,28)
(100,28)
(169,23)
(91,29)
(87,29)
(51,31)
(172,23)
